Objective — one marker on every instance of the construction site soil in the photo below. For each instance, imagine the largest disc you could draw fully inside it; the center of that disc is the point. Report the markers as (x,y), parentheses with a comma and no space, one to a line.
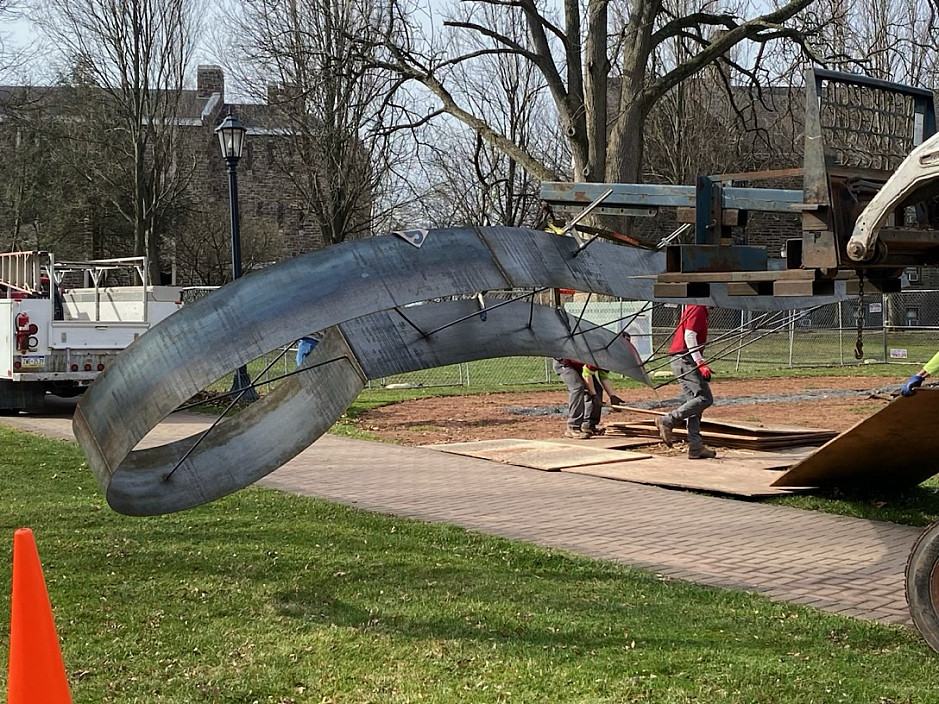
(834,403)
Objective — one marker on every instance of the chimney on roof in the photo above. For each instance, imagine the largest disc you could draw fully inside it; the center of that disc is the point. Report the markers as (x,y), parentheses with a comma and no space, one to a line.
(210,79)
(283,95)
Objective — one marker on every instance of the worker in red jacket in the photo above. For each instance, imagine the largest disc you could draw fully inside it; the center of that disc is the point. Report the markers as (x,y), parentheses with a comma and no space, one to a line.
(693,374)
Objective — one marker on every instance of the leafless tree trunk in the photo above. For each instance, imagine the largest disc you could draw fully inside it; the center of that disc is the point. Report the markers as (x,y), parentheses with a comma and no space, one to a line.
(470,181)
(131,57)
(577,63)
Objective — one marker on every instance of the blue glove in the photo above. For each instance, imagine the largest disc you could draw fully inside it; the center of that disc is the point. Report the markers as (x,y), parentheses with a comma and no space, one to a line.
(914,382)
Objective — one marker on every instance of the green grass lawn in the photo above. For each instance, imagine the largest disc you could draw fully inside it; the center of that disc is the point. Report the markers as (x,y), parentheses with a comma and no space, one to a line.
(272,598)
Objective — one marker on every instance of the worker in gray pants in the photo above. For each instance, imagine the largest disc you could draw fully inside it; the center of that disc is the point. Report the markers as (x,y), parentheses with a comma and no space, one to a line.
(693,375)
(571,373)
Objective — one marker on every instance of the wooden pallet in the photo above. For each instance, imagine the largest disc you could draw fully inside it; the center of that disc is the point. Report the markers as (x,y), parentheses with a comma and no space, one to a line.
(752,436)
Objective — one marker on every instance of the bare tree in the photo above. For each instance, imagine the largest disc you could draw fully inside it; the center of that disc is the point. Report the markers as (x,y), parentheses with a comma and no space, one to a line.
(889,39)
(340,110)
(470,181)
(202,245)
(128,61)
(576,56)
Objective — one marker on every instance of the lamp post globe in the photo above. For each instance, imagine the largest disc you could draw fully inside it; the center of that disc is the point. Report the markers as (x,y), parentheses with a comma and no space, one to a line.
(231,138)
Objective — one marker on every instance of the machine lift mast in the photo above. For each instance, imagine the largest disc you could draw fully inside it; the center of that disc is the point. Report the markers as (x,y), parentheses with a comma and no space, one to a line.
(869,174)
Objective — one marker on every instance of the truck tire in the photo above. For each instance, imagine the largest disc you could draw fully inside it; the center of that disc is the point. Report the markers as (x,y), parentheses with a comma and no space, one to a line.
(16,396)
(922,585)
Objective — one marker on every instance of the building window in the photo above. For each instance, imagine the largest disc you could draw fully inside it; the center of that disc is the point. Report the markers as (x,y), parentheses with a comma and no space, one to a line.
(912,317)
(912,275)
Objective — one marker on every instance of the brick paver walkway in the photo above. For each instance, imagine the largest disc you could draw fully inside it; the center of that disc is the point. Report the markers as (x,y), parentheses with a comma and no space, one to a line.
(843,565)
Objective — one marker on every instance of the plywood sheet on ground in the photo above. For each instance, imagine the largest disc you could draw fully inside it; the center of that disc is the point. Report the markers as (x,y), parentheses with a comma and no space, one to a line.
(758,459)
(896,446)
(538,454)
(609,442)
(721,476)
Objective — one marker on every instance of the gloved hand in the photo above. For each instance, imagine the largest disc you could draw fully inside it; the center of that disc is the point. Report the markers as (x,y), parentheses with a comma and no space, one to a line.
(914,382)
(705,370)
(616,401)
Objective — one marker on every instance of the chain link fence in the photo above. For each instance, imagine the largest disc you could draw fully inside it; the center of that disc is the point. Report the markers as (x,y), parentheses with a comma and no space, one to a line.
(900,328)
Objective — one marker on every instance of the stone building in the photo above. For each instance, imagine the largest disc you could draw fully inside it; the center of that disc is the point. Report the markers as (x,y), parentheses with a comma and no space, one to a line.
(275,219)
(269,199)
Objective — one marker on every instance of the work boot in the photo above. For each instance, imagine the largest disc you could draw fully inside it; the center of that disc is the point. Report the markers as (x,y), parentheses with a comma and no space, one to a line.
(576,433)
(593,430)
(701,453)
(665,431)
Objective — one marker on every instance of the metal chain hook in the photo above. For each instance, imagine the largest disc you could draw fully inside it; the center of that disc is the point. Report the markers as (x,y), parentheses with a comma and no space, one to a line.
(859,318)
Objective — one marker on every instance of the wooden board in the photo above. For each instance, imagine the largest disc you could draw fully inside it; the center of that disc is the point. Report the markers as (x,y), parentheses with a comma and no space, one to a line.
(537,454)
(741,438)
(720,476)
(897,446)
(610,442)
(758,459)
(738,426)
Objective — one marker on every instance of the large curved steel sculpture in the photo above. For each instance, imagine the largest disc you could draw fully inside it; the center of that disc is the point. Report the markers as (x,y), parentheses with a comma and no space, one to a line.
(336,286)
(363,287)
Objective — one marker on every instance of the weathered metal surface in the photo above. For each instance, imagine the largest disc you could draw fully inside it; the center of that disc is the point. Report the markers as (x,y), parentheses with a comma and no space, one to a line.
(337,286)
(237,452)
(111,419)
(706,258)
(922,585)
(895,447)
(815,176)
(390,342)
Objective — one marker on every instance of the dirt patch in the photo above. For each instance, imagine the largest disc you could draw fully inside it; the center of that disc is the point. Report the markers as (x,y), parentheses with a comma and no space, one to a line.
(835,403)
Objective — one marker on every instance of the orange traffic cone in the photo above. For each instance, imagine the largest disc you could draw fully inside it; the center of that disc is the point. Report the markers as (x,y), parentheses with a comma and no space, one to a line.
(37,673)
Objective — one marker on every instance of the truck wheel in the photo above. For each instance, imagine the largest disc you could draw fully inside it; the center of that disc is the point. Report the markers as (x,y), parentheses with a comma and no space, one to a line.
(16,396)
(922,585)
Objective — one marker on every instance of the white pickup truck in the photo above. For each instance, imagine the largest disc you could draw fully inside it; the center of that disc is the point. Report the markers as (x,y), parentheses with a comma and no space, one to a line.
(61,323)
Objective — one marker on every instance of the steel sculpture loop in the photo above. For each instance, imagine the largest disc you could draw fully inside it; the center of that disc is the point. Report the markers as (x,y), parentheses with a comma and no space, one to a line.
(367,288)
(376,277)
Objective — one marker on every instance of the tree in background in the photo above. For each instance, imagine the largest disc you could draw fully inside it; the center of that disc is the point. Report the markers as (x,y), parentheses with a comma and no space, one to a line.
(128,61)
(340,111)
(201,245)
(889,39)
(469,181)
(576,56)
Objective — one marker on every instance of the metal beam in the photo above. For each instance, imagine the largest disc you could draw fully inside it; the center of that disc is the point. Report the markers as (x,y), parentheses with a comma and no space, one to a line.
(568,195)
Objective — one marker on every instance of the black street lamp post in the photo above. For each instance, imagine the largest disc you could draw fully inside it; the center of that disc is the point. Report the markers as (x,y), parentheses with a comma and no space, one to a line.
(231,137)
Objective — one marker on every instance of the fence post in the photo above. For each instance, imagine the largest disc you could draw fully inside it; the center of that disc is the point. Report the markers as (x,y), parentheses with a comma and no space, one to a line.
(840,337)
(792,334)
(883,322)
